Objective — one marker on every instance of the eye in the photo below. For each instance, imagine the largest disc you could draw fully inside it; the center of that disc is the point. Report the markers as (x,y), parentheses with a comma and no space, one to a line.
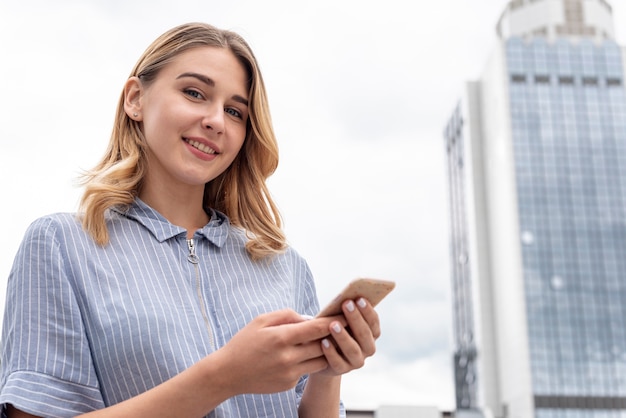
(193,93)
(233,112)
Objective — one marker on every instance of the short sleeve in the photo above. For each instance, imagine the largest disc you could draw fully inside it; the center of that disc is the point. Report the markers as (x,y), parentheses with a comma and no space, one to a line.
(307,303)
(46,368)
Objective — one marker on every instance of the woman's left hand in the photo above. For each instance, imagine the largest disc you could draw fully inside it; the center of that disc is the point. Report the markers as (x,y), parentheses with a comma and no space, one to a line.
(347,347)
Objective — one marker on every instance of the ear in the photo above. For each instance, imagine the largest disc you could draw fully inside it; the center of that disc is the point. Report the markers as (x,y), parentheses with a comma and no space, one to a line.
(133,94)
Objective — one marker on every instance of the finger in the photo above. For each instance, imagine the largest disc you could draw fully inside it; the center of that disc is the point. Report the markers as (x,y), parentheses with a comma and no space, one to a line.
(360,328)
(281,317)
(347,346)
(308,351)
(370,315)
(313,330)
(336,362)
(312,366)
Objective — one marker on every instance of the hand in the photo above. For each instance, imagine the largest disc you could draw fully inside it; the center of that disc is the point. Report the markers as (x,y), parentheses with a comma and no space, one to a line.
(349,346)
(274,350)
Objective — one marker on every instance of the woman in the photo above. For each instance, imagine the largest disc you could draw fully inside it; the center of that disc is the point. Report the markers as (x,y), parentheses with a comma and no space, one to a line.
(174,292)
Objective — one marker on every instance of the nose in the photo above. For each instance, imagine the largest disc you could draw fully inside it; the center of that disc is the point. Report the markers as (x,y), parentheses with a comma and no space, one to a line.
(213,119)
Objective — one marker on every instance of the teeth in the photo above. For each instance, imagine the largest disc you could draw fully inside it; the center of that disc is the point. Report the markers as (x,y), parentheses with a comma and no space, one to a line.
(200,146)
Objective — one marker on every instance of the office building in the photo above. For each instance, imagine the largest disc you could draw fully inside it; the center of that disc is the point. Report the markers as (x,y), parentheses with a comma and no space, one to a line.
(400,411)
(537,180)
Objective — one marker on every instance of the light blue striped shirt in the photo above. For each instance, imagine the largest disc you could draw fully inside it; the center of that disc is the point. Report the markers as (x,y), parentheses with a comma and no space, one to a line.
(88,326)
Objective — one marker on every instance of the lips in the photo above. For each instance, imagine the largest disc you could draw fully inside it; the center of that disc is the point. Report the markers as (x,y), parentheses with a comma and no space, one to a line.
(200,146)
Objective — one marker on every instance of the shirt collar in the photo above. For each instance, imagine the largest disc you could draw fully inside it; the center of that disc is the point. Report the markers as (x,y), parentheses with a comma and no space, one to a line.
(216,231)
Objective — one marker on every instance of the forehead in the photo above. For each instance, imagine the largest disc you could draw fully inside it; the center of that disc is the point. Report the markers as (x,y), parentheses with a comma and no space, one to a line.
(219,64)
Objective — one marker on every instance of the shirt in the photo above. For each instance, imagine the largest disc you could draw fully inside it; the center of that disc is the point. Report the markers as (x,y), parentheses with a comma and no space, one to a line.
(88,326)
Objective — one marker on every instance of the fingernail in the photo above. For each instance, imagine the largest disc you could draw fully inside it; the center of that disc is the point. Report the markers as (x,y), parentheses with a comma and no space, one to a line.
(325,343)
(361,302)
(350,306)
(306,317)
(336,328)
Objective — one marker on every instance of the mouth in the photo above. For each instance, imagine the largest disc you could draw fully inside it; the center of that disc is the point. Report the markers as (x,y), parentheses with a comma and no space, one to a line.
(200,146)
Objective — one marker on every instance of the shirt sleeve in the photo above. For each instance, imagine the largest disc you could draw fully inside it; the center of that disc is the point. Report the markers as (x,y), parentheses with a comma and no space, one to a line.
(307,303)
(46,367)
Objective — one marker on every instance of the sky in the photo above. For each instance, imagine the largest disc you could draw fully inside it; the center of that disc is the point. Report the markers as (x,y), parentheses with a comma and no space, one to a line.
(359,91)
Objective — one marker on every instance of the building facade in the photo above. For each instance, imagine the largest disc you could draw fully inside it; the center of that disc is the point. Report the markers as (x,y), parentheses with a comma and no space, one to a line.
(401,411)
(537,182)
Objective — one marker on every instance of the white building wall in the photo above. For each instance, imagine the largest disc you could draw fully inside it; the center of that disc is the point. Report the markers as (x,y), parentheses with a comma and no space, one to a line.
(598,16)
(478,245)
(407,412)
(530,17)
(509,309)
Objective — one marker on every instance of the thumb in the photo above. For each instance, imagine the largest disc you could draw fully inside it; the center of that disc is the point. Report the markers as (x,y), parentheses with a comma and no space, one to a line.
(282,317)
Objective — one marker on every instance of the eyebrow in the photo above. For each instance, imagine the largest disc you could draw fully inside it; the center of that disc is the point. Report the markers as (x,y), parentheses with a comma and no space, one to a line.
(209,82)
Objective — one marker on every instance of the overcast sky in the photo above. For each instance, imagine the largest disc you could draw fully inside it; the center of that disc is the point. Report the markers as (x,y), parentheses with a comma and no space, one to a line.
(359,90)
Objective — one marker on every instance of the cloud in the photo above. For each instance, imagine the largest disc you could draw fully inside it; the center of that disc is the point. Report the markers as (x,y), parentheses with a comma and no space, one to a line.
(424,381)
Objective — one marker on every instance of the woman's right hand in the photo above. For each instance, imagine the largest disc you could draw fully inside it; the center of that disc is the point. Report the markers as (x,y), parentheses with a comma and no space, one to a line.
(273,351)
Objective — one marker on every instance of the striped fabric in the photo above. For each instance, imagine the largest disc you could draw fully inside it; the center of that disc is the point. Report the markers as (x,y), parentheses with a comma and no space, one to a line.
(87,326)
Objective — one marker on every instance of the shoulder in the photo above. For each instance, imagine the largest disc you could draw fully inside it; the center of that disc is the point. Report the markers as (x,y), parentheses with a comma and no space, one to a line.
(51,233)
(291,260)
(240,236)
(292,254)
(43,250)
(64,225)
(53,224)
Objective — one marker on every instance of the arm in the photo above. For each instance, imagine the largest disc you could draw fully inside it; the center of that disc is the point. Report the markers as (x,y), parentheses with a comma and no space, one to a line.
(269,355)
(187,394)
(346,352)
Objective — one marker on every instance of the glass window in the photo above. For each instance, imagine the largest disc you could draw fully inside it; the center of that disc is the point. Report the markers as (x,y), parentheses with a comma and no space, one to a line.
(569,140)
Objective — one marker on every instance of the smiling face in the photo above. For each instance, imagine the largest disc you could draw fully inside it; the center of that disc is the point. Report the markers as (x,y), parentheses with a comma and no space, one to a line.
(194,116)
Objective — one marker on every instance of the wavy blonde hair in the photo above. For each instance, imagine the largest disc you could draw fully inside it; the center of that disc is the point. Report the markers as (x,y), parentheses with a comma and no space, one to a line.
(240,191)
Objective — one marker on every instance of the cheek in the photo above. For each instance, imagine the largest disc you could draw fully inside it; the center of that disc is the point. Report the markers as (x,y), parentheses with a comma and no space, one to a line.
(160,127)
(237,137)
(236,148)
(242,140)
(235,151)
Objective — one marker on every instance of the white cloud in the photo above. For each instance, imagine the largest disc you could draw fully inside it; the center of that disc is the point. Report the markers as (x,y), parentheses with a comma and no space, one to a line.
(425,381)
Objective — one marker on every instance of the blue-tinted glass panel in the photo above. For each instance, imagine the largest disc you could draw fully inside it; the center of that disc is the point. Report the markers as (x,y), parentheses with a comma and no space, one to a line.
(568,121)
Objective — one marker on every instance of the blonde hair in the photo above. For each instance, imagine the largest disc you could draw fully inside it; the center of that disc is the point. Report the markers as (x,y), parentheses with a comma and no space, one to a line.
(240,191)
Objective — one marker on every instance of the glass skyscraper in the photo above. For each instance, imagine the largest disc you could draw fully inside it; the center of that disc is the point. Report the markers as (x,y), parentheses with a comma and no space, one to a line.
(537,180)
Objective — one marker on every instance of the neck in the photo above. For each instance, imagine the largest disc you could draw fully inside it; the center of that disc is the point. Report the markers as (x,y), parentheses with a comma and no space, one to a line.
(180,206)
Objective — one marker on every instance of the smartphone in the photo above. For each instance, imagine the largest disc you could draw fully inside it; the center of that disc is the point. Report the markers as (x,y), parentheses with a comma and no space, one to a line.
(374,290)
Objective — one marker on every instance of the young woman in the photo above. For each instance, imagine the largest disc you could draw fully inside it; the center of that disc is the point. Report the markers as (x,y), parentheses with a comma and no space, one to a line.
(173,292)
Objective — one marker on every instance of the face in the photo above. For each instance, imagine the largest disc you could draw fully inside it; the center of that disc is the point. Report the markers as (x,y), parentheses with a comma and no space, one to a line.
(194,117)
